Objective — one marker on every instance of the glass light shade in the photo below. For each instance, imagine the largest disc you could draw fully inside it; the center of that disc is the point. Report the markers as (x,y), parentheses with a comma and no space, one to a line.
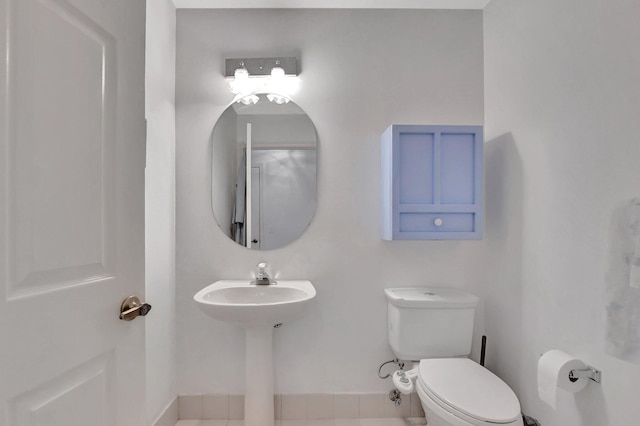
(248,100)
(278,99)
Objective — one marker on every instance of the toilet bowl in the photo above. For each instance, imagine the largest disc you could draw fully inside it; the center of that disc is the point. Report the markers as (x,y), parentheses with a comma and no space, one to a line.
(435,327)
(459,392)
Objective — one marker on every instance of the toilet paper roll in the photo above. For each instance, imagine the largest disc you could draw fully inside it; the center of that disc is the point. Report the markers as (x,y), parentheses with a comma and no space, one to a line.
(553,373)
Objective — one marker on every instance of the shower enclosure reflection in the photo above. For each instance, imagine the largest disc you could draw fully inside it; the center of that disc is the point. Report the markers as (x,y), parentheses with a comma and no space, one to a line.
(271,203)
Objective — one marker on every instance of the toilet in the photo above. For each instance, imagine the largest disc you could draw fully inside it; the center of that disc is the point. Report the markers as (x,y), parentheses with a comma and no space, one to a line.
(433,328)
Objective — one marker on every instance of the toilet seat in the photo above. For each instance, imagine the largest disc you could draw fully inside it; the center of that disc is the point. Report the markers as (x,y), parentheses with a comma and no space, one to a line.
(468,391)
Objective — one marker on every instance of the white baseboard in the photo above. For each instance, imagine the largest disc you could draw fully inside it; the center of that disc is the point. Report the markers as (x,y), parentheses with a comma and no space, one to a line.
(302,406)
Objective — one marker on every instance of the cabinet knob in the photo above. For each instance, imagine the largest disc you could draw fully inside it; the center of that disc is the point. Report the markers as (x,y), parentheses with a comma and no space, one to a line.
(438,221)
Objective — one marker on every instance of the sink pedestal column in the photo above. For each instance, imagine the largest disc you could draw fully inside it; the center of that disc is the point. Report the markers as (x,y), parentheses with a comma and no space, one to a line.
(258,398)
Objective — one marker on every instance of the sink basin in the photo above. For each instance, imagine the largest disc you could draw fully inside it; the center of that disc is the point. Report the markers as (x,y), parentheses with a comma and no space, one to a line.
(242,303)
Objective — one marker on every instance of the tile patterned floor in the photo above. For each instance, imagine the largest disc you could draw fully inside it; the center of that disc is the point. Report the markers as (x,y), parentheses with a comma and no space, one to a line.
(330,422)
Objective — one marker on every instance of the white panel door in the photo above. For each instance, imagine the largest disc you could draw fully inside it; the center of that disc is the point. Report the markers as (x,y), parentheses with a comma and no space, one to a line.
(71,211)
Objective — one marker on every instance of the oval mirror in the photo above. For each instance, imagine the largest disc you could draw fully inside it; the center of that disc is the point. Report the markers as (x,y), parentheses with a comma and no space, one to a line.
(264,165)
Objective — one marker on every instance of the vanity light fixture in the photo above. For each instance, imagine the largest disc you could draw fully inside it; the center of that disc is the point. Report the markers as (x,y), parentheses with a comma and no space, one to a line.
(272,76)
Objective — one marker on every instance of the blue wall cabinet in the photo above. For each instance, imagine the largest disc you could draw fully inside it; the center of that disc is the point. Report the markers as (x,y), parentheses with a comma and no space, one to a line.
(432,183)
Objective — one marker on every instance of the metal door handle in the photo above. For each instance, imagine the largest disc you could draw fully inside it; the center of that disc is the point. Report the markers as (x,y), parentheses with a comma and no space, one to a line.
(132,307)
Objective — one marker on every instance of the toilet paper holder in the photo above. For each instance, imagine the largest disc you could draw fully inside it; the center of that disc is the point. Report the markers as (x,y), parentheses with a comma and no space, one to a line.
(587,373)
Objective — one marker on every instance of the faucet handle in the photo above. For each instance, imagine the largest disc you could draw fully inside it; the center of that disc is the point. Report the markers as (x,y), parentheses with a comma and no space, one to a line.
(261,271)
(262,277)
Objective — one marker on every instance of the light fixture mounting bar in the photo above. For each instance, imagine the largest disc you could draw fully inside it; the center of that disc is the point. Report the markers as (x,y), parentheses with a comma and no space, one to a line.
(261,66)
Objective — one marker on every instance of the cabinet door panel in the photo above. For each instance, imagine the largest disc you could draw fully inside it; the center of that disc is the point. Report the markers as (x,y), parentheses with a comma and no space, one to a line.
(415,168)
(457,168)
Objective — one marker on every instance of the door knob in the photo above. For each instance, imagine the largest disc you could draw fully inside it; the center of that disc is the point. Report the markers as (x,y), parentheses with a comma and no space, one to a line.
(132,307)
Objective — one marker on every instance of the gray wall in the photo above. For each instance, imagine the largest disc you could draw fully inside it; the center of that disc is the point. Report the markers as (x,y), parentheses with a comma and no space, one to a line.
(361,72)
(562,104)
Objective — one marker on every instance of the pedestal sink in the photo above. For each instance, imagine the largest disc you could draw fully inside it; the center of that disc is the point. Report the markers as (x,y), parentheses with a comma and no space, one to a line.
(257,308)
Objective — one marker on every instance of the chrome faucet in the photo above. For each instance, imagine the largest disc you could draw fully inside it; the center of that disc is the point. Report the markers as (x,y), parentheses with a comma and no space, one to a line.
(262,278)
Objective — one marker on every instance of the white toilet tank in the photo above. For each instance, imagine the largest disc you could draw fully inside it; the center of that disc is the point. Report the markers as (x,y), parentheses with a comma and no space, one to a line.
(430,322)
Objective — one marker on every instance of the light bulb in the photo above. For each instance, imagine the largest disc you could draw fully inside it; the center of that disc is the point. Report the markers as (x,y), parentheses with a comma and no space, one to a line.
(241,74)
(277,72)
(240,82)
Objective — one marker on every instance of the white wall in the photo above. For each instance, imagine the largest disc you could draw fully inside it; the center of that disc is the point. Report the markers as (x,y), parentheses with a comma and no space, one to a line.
(562,103)
(361,72)
(160,206)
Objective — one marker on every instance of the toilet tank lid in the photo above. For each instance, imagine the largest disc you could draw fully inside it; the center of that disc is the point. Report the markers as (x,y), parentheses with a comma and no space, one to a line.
(430,297)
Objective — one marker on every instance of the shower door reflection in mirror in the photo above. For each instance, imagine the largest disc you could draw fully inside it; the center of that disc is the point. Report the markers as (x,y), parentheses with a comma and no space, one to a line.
(271,203)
